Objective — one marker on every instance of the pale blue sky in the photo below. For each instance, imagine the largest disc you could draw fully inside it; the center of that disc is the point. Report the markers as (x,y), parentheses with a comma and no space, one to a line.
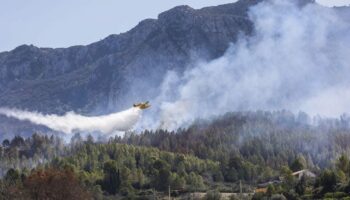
(49,23)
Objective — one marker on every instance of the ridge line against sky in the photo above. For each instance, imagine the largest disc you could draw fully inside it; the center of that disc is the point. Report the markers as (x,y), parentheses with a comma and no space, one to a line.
(67,23)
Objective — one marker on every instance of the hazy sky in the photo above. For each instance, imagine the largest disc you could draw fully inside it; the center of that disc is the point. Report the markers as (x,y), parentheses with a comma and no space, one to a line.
(72,22)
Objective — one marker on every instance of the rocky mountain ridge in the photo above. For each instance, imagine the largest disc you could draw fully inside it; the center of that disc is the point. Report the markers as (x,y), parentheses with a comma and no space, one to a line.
(80,77)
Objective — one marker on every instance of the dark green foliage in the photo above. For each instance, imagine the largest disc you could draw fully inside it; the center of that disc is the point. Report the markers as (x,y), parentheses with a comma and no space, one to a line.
(336,195)
(298,164)
(301,186)
(12,176)
(162,179)
(270,190)
(343,163)
(125,168)
(6,143)
(213,195)
(327,181)
(291,195)
(111,180)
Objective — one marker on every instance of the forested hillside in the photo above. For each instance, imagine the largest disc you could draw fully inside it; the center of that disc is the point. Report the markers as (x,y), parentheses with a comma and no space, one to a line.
(252,147)
(272,138)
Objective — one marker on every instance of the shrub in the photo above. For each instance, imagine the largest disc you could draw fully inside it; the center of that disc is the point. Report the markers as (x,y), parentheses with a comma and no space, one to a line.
(213,195)
(335,195)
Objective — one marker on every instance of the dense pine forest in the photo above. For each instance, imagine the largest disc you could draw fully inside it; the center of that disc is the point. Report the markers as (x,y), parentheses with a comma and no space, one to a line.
(255,153)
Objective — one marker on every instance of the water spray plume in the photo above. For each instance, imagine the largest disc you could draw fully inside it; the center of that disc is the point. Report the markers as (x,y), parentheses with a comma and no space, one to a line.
(72,122)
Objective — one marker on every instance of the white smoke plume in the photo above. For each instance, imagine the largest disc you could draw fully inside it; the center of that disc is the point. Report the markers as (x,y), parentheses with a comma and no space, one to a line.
(71,122)
(297,59)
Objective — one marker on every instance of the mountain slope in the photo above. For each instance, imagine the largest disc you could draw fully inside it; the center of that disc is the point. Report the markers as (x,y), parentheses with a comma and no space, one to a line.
(81,77)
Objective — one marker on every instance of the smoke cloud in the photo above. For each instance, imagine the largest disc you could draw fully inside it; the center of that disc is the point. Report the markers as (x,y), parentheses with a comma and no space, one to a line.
(297,59)
(71,122)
